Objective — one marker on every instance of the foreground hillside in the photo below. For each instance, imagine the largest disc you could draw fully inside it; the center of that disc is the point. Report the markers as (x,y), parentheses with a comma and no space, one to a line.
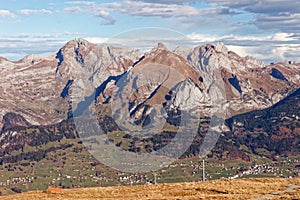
(267,188)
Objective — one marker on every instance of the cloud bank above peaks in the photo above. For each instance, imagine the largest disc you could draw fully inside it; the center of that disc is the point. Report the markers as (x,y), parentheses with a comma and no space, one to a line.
(140,8)
(277,15)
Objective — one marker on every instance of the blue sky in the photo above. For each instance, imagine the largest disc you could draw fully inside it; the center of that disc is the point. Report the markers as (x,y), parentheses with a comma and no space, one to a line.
(266,29)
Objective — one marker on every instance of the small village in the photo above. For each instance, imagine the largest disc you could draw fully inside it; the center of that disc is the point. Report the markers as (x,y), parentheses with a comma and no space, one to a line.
(188,171)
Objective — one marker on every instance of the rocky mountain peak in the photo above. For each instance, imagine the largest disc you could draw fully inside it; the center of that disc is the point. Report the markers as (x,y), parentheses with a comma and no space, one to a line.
(77,49)
(220,47)
(161,46)
(76,43)
(2,59)
(182,51)
(158,48)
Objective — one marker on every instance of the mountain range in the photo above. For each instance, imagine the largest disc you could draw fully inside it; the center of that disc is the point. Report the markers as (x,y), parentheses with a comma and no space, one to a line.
(259,102)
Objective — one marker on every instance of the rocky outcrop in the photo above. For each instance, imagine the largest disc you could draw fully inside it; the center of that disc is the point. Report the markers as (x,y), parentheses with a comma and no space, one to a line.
(187,96)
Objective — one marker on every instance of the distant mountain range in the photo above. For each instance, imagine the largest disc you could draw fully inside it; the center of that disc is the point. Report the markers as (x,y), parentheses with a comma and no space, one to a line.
(261,102)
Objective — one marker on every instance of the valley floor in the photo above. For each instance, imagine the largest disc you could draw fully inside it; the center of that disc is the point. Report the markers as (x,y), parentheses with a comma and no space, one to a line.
(252,188)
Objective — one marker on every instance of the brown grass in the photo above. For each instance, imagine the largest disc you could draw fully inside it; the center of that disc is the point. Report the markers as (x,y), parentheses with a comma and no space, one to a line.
(53,190)
(264,188)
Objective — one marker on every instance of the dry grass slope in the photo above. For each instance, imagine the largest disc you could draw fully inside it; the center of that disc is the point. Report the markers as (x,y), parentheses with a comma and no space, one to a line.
(264,188)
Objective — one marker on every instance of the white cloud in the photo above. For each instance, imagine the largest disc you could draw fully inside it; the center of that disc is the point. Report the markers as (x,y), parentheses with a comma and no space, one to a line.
(32,37)
(93,9)
(167,1)
(81,2)
(97,40)
(31,11)
(73,10)
(276,37)
(141,8)
(108,20)
(275,15)
(274,53)
(283,37)
(269,15)
(6,13)
(17,49)
(205,38)
(284,22)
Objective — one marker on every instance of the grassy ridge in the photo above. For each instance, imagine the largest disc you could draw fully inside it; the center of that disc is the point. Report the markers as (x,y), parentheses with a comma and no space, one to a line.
(222,189)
